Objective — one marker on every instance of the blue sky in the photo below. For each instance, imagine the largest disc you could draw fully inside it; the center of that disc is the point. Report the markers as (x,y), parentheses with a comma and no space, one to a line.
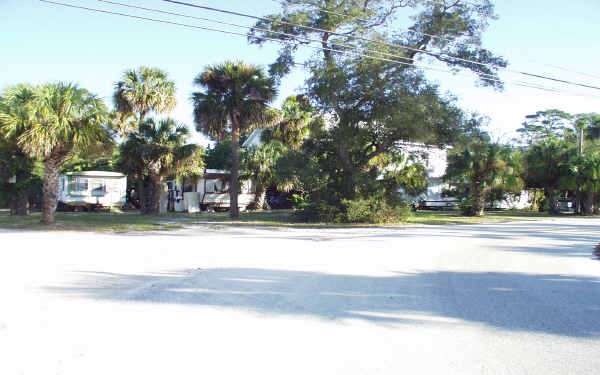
(42,43)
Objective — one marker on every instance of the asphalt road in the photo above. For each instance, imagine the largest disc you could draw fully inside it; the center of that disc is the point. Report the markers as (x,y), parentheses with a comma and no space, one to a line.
(520,298)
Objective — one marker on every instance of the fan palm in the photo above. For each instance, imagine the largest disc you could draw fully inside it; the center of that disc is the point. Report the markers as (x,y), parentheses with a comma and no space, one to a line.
(63,120)
(483,166)
(158,151)
(234,99)
(259,165)
(588,180)
(549,166)
(297,115)
(15,117)
(123,123)
(143,91)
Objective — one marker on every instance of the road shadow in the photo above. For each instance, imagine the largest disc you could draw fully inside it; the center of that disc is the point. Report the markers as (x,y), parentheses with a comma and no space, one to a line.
(557,239)
(550,304)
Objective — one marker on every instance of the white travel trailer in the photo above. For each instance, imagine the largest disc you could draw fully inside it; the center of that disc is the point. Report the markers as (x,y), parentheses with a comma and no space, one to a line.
(208,192)
(92,189)
(435,161)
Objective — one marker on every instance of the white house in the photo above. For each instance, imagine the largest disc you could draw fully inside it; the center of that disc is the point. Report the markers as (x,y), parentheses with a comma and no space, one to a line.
(92,189)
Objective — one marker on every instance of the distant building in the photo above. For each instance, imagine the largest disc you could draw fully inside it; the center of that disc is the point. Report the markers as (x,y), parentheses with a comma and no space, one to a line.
(92,189)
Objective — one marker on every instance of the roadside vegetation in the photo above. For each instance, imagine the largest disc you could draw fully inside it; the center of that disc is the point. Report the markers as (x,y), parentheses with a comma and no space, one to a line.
(338,148)
(135,222)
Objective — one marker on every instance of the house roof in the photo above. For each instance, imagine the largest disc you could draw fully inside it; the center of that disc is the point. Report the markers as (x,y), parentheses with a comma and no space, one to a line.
(95,174)
(255,139)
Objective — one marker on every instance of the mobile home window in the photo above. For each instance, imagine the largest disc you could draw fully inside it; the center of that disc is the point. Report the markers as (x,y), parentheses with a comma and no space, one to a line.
(98,189)
(79,185)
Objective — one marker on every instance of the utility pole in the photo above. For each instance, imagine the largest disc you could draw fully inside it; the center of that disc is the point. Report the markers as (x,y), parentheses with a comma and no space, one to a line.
(580,140)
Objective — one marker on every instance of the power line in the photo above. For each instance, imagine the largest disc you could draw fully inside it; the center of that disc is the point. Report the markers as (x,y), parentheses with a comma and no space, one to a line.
(274,39)
(331,33)
(233,33)
(349,46)
(283,2)
(524,84)
(446,55)
(491,76)
(452,41)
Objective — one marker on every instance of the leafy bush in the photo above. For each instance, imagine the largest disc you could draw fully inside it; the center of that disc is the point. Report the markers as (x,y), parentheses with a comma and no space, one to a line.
(317,211)
(372,210)
(466,207)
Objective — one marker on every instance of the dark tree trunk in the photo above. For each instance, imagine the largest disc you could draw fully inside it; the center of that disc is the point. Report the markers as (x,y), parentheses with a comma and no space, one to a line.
(552,208)
(588,203)
(152,189)
(141,195)
(478,200)
(259,197)
(50,191)
(579,202)
(234,184)
(347,172)
(20,205)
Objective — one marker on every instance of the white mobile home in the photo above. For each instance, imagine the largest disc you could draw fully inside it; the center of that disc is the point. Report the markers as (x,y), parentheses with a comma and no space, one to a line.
(208,192)
(92,189)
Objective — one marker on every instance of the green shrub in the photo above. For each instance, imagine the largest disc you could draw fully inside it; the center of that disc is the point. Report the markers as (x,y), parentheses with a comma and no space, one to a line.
(317,211)
(358,211)
(466,207)
(372,210)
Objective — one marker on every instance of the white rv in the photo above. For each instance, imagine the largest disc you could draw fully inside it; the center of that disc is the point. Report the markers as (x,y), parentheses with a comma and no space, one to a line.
(92,189)
(208,192)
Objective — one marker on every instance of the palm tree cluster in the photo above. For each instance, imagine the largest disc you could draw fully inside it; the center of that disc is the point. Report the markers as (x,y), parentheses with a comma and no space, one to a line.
(480,166)
(52,123)
(552,163)
(156,149)
(234,98)
(60,124)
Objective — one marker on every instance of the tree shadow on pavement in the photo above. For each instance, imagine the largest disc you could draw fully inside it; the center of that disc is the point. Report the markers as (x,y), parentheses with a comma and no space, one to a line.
(550,304)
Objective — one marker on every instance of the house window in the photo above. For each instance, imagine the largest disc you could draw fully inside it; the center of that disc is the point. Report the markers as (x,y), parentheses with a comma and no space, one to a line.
(79,185)
(98,189)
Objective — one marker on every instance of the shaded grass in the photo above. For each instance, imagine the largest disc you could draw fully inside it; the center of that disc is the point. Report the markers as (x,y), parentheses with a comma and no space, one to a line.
(92,221)
(133,221)
(454,217)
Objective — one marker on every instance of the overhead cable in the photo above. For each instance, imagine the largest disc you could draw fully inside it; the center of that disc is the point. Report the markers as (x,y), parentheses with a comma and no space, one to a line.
(517,83)
(451,41)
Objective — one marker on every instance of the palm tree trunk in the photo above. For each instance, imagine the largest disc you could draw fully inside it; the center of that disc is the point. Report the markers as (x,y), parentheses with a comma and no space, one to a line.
(235,167)
(588,203)
(50,191)
(21,205)
(579,201)
(478,200)
(141,194)
(259,197)
(153,189)
(552,209)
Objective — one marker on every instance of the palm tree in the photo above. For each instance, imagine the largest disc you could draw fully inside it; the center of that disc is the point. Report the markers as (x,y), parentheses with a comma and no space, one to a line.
(123,123)
(549,166)
(588,180)
(15,117)
(158,151)
(297,116)
(259,165)
(143,91)
(64,120)
(480,167)
(234,98)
